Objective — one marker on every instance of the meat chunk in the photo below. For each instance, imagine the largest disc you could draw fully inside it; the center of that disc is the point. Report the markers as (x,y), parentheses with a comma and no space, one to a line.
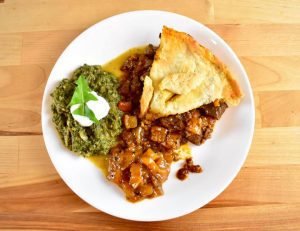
(115,173)
(173,122)
(194,125)
(189,166)
(214,111)
(193,138)
(150,51)
(125,88)
(158,134)
(173,140)
(182,173)
(128,138)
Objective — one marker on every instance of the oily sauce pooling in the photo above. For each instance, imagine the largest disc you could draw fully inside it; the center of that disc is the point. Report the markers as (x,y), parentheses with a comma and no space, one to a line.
(140,162)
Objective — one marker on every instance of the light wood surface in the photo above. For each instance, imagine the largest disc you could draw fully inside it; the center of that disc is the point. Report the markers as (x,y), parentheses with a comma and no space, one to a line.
(266,36)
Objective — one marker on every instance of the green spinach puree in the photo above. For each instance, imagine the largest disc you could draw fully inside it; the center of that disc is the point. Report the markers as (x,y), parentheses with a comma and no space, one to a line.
(98,138)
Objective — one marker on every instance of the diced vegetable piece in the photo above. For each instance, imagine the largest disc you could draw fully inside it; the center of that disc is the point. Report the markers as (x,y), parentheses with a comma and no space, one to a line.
(129,192)
(127,158)
(138,134)
(125,106)
(83,135)
(146,190)
(130,121)
(135,175)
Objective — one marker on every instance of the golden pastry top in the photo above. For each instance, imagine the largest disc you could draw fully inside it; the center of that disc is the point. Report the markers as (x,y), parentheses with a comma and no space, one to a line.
(185,76)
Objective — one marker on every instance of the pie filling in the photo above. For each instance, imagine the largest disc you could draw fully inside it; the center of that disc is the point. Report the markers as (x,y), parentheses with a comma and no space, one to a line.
(140,162)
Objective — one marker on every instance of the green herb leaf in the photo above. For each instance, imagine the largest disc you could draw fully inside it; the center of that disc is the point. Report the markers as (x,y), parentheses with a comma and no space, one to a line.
(83,109)
(90,114)
(82,93)
(81,96)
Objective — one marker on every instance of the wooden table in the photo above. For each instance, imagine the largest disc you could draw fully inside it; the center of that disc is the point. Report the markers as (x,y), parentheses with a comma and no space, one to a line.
(266,36)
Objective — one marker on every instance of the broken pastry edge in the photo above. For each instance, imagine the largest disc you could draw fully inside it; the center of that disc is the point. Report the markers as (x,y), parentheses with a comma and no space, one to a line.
(146,96)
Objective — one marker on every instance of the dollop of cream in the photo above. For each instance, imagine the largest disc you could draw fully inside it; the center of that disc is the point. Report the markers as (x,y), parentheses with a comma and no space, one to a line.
(99,107)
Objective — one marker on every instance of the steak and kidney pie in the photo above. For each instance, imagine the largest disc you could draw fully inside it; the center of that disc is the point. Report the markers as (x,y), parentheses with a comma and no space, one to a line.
(170,95)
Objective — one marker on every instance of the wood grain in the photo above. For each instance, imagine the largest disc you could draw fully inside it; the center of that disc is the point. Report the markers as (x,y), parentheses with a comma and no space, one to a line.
(265,35)
(284,188)
(21,89)
(256,11)
(76,14)
(45,46)
(261,39)
(230,218)
(286,105)
(11,49)
(273,73)
(275,146)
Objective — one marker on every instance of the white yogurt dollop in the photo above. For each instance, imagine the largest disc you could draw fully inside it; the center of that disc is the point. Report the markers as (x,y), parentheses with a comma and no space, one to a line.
(99,107)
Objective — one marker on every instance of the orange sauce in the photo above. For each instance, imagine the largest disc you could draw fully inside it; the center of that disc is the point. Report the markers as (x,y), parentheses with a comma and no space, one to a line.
(100,162)
(113,66)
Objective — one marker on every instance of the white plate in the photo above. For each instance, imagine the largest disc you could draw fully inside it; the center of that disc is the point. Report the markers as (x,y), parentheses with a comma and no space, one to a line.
(221,157)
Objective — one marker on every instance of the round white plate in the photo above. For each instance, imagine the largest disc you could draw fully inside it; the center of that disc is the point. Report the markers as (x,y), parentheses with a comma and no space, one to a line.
(221,157)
